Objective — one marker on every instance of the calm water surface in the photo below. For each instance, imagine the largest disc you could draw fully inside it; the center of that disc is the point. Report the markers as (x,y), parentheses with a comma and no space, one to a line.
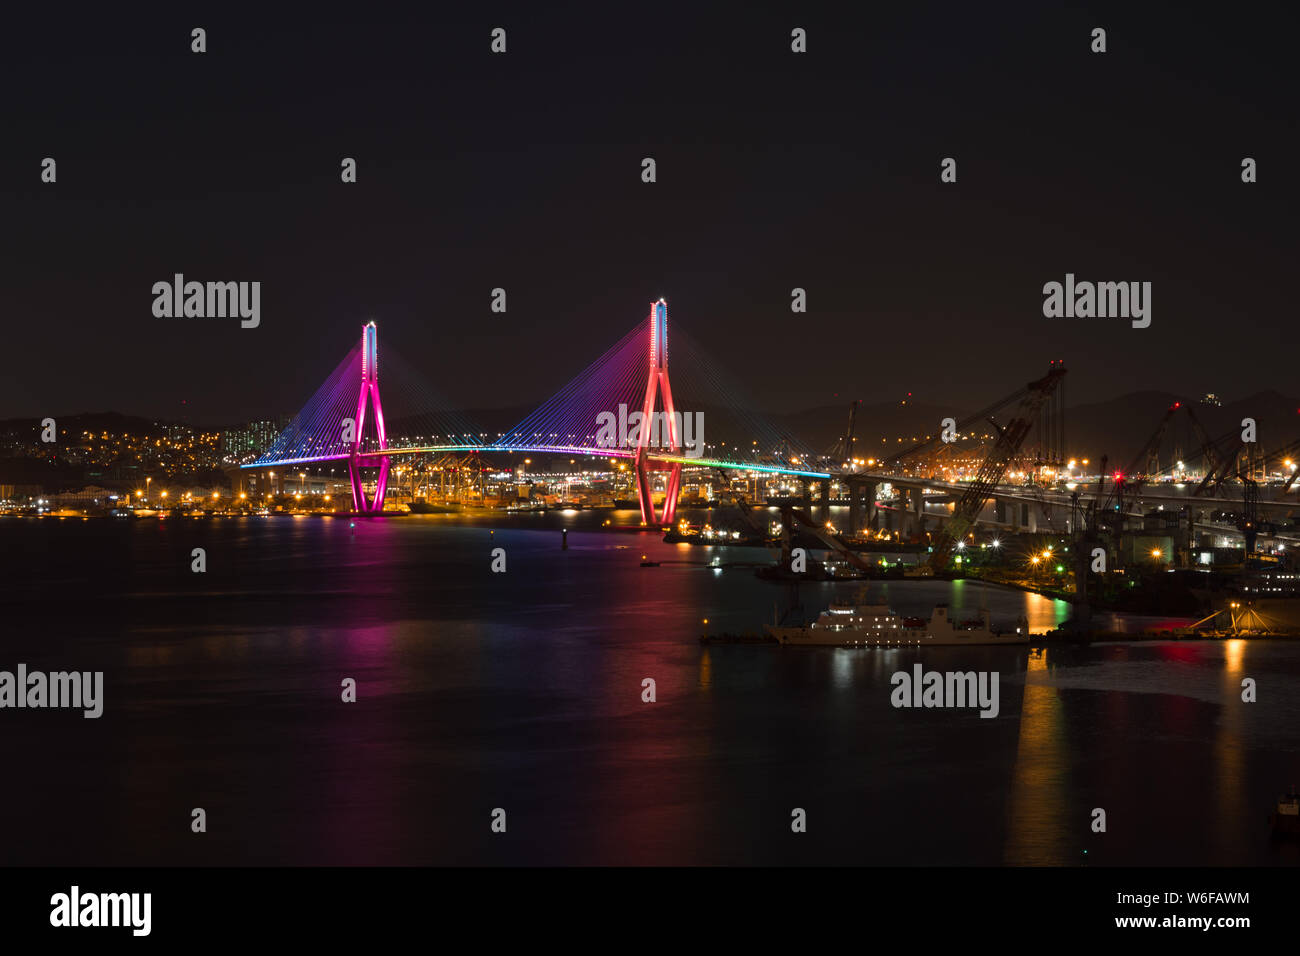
(522,691)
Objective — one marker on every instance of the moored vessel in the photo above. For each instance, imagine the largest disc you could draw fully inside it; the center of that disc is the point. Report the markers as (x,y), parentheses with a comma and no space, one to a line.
(876,625)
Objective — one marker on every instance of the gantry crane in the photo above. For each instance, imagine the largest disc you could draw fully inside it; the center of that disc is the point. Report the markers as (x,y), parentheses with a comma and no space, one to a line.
(1033,397)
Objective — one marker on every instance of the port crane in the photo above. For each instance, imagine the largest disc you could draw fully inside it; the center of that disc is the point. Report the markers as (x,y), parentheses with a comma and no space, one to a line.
(1249,524)
(1045,410)
(1144,465)
(1227,450)
(1208,449)
(829,541)
(1033,397)
(842,451)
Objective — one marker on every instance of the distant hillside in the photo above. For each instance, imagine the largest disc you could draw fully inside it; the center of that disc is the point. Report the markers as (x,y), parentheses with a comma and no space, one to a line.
(113,422)
(821,427)
(1121,426)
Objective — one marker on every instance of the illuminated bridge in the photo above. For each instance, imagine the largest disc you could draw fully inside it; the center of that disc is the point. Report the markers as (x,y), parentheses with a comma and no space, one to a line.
(624,406)
(620,406)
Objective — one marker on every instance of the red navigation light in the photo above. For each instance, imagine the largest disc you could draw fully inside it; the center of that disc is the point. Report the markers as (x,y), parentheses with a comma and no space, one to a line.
(1118,476)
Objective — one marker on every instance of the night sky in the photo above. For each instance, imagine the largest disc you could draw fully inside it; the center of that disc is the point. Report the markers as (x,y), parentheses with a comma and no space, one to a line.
(522,170)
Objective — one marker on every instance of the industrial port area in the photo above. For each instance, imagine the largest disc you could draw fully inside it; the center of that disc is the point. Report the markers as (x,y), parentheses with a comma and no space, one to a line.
(1196,525)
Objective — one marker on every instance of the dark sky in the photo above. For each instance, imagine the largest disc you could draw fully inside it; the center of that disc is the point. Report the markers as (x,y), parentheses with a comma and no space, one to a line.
(522,171)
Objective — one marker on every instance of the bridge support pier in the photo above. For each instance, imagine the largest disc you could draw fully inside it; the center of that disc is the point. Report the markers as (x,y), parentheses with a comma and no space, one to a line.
(903,513)
(861,493)
(657,384)
(369,396)
(825,486)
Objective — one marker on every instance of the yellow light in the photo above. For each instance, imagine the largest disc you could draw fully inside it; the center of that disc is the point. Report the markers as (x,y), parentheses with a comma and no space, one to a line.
(1155,552)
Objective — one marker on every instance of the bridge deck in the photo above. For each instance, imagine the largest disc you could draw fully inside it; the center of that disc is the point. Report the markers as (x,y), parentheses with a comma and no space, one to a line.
(551,449)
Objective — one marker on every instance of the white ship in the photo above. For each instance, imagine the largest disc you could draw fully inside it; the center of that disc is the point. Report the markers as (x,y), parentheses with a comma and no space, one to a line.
(875,625)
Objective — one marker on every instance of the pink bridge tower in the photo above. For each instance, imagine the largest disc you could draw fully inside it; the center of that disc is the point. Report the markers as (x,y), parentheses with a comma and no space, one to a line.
(369,394)
(658,381)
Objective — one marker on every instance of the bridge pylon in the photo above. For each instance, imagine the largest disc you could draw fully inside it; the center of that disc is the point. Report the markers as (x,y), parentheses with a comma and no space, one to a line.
(657,383)
(369,396)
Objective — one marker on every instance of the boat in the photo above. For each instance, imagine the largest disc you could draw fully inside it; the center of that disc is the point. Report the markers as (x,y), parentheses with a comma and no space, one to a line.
(422,506)
(875,625)
(1286,818)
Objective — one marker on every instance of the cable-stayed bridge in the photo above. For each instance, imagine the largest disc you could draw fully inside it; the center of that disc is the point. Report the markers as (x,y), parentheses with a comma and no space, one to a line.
(623,405)
(626,406)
